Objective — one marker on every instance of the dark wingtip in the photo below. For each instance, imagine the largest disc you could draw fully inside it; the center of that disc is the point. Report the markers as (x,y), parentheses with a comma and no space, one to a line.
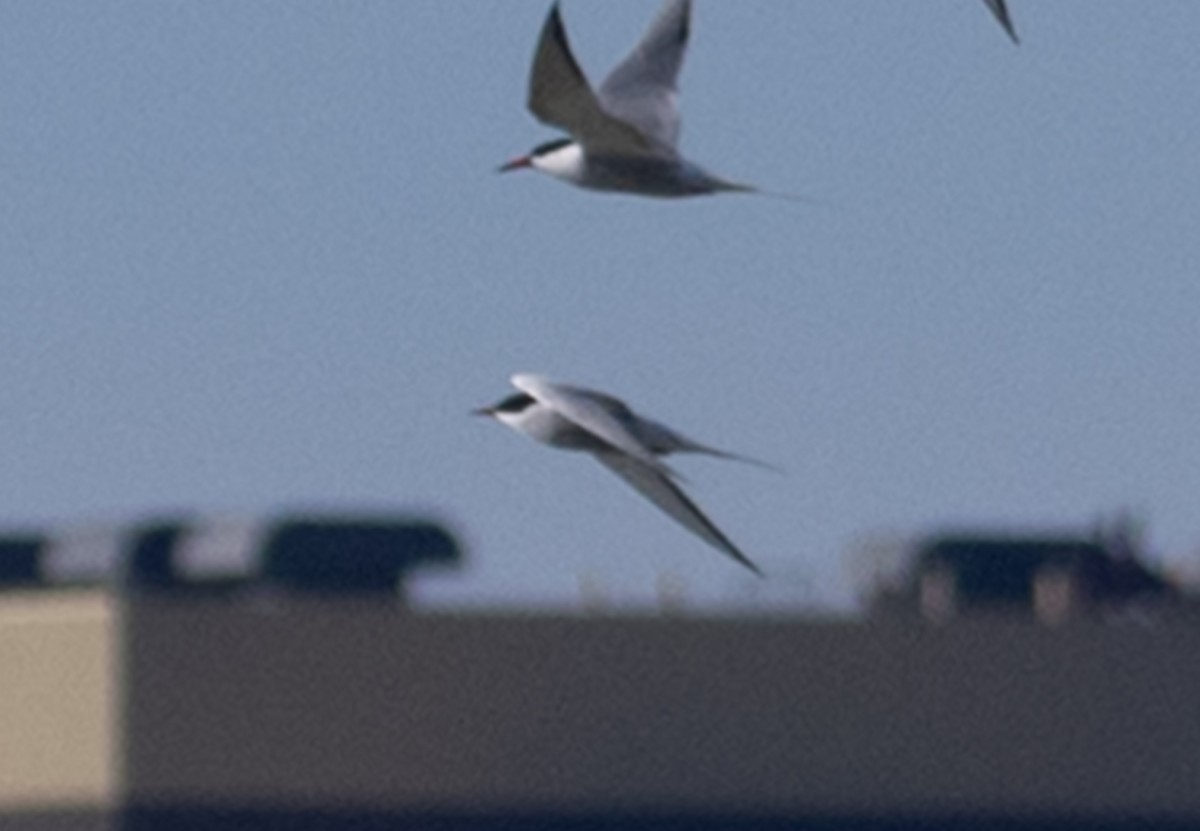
(1010,30)
(736,553)
(553,39)
(1000,10)
(748,563)
(554,22)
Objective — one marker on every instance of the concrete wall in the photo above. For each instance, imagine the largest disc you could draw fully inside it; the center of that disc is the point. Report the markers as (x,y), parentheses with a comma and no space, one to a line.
(58,702)
(367,706)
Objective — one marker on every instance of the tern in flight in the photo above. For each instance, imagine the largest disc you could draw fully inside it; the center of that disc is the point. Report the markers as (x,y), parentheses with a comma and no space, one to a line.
(622,136)
(1001,12)
(573,418)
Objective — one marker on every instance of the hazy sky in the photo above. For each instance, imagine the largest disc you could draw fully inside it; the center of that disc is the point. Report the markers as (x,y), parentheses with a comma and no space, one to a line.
(255,257)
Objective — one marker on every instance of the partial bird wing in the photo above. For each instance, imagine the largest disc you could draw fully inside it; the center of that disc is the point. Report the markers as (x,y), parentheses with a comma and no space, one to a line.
(1000,10)
(664,493)
(642,89)
(601,415)
(559,95)
(662,439)
(696,447)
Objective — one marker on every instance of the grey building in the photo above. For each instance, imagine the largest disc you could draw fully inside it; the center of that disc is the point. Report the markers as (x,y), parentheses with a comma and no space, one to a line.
(298,709)
(301,712)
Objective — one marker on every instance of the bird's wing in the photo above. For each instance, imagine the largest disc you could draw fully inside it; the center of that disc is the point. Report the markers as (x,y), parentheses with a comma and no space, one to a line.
(696,447)
(642,90)
(664,493)
(559,95)
(662,439)
(1000,10)
(601,415)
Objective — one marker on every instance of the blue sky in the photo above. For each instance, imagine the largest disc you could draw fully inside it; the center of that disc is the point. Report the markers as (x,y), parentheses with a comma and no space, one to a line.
(255,257)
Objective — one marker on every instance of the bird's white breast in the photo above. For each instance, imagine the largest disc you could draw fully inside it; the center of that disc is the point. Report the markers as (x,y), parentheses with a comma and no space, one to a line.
(566,162)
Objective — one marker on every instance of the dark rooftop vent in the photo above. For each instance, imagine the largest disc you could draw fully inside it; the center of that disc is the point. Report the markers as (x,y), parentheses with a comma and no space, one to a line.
(999,570)
(338,556)
(149,559)
(1053,577)
(20,562)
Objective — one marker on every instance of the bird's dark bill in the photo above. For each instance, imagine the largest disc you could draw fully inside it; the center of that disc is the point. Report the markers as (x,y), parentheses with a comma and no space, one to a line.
(516,164)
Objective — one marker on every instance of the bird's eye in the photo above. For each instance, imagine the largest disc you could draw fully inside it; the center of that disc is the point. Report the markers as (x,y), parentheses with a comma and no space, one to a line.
(550,146)
(514,403)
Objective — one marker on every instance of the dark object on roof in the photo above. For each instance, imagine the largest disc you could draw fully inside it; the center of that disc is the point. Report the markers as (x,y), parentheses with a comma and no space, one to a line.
(364,555)
(149,561)
(336,553)
(314,553)
(1051,576)
(20,561)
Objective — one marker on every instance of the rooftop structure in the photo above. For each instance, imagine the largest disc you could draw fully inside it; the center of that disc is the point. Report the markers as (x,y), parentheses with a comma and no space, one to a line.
(333,710)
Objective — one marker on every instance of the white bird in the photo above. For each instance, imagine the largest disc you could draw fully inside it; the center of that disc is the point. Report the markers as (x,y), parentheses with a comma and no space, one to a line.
(573,418)
(623,136)
(1000,10)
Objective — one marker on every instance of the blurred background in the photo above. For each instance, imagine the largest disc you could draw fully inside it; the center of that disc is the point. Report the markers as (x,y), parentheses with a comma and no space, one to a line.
(255,258)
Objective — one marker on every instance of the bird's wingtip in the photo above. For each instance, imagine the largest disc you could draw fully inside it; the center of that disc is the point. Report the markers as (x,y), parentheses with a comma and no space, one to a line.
(748,563)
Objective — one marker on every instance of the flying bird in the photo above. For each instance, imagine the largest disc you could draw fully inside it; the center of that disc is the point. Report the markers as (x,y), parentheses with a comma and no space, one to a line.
(622,136)
(573,418)
(1000,10)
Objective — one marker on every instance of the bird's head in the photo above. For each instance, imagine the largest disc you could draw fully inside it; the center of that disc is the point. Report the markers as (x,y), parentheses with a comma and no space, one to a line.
(559,157)
(509,410)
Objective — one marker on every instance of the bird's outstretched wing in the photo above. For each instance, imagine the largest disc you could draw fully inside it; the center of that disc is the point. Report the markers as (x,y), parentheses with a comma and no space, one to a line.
(603,416)
(1000,10)
(661,439)
(659,489)
(560,95)
(642,90)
